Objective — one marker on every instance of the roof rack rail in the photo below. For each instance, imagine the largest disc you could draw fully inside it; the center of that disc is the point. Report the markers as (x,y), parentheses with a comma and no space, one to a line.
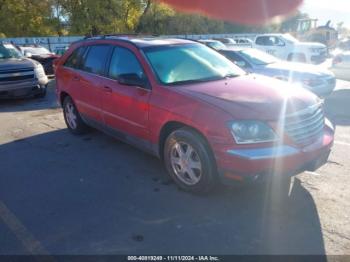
(118,35)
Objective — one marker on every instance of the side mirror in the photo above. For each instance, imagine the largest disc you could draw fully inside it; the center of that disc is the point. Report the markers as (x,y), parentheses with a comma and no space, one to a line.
(280,43)
(28,54)
(132,80)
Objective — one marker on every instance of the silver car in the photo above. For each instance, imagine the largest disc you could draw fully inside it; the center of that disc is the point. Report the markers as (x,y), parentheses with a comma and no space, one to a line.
(314,78)
(341,65)
(20,76)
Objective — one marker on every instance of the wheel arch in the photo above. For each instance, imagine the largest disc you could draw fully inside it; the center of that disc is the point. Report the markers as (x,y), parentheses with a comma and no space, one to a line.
(170,127)
(62,96)
(298,54)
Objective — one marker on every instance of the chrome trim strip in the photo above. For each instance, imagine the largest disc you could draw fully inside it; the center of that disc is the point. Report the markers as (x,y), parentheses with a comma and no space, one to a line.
(27,73)
(295,128)
(308,110)
(9,86)
(264,153)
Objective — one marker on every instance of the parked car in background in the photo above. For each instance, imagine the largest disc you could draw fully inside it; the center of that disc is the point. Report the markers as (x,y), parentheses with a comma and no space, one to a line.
(228,42)
(20,76)
(341,66)
(60,50)
(40,54)
(215,44)
(342,46)
(286,47)
(246,42)
(318,80)
(193,108)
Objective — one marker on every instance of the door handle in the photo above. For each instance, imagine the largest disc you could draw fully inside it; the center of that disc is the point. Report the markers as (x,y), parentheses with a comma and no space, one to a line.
(107,89)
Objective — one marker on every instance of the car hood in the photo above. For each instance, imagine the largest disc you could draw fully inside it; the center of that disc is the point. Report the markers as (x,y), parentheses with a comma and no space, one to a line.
(252,96)
(295,69)
(311,44)
(16,63)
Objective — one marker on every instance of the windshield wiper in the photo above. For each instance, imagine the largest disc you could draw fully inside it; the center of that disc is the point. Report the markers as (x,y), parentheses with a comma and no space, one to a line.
(193,81)
(231,75)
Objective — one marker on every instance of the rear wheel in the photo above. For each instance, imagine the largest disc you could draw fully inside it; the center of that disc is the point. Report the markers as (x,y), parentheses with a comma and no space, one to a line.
(189,161)
(72,117)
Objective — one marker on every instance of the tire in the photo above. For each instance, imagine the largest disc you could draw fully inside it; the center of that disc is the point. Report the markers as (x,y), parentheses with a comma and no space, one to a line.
(42,94)
(190,162)
(297,57)
(72,117)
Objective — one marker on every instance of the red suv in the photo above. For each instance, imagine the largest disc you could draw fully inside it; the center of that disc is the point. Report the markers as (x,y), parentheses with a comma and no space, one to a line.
(188,105)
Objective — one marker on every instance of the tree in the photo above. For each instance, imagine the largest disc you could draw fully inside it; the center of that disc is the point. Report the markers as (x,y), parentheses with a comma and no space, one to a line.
(101,17)
(161,19)
(93,17)
(25,18)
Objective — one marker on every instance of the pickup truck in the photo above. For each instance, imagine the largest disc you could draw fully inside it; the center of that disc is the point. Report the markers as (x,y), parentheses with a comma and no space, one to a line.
(20,76)
(286,47)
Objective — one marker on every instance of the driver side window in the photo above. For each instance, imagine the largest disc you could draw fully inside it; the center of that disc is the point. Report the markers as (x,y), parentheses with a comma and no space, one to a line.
(123,61)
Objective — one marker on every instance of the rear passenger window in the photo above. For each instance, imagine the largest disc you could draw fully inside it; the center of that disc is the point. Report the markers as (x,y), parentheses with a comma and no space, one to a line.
(75,59)
(124,62)
(96,58)
(263,40)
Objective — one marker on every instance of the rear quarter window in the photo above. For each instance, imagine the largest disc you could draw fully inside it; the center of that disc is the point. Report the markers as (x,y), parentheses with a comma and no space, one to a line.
(262,40)
(75,59)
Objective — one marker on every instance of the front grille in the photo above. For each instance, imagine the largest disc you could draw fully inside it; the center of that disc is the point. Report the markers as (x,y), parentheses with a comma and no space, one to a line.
(16,78)
(305,126)
(16,74)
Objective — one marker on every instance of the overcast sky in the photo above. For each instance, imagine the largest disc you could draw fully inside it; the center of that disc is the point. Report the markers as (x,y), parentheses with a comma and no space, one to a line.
(324,10)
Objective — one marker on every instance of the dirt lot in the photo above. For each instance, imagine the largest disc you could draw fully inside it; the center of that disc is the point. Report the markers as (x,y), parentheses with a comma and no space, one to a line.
(62,194)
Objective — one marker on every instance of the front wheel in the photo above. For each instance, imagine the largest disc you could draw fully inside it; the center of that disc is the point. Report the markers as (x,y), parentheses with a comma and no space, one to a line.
(72,117)
(189,161)
(297,57)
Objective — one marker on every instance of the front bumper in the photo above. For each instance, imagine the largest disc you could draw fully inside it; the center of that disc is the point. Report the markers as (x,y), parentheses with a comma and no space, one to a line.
(249,164)
(21,89)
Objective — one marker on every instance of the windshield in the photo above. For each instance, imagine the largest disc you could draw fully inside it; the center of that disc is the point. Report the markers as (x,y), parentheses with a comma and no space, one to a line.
(189,64)
(9,51)
(290,38)
(36,50)
(257,57)
(216,45)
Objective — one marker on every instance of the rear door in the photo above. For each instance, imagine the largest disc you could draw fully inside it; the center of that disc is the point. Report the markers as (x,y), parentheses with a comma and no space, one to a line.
(88,81)
(126,107)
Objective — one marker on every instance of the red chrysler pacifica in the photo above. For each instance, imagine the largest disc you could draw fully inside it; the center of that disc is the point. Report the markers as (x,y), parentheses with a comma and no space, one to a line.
(205,118)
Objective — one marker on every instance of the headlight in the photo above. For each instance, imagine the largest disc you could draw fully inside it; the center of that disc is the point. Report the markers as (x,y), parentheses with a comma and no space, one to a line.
(39,71)
(248,132)
(315,50)
(312,82)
